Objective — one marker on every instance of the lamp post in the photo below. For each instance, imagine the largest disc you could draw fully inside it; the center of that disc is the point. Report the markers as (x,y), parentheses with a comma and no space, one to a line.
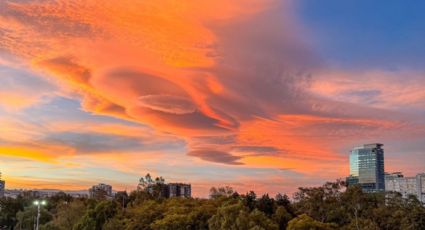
(39,203)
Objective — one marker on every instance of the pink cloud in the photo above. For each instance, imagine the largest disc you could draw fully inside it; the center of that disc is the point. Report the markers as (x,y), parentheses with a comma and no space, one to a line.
(400,89)
(235,79)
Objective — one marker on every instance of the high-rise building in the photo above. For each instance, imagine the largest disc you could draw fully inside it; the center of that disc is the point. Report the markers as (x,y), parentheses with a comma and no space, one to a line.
(367,167)
(100,191)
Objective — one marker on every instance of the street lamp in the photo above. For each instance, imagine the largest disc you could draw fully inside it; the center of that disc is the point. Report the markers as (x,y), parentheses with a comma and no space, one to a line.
(39,203)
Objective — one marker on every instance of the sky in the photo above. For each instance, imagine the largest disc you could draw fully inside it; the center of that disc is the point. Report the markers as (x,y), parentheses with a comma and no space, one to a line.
(263,95)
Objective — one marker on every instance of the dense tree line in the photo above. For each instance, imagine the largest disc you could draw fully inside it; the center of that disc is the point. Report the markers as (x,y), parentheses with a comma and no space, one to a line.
(331,206)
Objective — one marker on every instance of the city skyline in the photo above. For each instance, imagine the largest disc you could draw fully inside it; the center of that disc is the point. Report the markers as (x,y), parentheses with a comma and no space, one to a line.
(366,163)
(255,94)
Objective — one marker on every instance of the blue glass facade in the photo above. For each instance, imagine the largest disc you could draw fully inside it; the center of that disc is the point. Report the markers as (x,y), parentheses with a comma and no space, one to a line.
(367,167)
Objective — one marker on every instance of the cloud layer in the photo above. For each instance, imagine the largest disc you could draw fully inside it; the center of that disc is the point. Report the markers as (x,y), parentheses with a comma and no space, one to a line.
(238,88)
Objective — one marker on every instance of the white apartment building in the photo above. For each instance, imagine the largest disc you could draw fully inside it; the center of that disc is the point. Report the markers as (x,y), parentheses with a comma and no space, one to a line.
(420,183)
(396,182)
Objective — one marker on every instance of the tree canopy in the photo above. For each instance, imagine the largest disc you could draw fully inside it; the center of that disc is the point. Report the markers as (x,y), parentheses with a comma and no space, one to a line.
(331,206)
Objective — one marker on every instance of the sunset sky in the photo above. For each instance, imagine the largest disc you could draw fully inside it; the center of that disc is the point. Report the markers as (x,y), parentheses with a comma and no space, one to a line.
(264,95)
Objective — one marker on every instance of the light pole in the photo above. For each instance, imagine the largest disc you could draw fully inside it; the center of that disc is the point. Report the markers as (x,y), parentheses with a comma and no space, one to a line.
(39,203)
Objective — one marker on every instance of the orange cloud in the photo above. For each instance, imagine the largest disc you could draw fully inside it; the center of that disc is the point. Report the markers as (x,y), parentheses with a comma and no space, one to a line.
(16,100)
(233,79)
(27,153)
(157,41)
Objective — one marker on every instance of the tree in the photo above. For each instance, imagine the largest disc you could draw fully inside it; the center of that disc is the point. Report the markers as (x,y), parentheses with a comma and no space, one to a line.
(282,217)
(249,200)
(257,220)
(8,209)
(95,218)
(415,214)
(142,215)
(322,203)
(122,198)
(221,192)
(59,198)
(27,217)
(147,181)
(159,180)
(185,214)
(304,222)
(355,204)
(114,224)
(283,200)
(67,215)
(237,216)
(173,221)
(330,206)
(364,224)
(266,205)
(138,196)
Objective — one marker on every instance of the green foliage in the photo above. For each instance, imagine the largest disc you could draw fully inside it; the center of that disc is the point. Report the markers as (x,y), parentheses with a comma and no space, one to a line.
(321,203)
(304,222)
(142,215)
(8,209)
(114,224)
(266,205)
(58,199)
(185,214)
(237,216)
(67,215)
(95,218)
(249,200)
(137,197)
(282,217)
(27,217)
(122,198)
(364,224)
(331,206)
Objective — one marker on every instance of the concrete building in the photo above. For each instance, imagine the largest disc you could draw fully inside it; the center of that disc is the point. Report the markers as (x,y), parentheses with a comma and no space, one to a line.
(367,167)
(179,190)
(158,187)
(396,182)
(394,175)
(169,190)
(104,190)
(420,183)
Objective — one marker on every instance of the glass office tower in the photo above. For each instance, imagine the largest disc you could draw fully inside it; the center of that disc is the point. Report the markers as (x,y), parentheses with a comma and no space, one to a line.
(367,167)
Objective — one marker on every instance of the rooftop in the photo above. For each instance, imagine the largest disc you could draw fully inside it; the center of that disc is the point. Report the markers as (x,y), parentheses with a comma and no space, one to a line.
(369,146)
